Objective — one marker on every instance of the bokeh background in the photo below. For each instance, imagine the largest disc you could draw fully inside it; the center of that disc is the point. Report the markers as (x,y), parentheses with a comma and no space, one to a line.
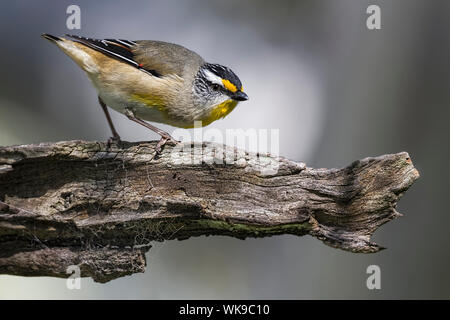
(336,90)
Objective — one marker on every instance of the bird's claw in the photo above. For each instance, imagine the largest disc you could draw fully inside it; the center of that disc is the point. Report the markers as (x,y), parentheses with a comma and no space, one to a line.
(114,140)
(163,141)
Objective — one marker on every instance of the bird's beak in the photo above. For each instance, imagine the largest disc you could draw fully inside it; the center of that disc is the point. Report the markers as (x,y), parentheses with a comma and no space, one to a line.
(239,96)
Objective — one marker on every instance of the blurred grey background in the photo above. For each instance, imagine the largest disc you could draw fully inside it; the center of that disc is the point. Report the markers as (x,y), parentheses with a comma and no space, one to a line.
(336,90)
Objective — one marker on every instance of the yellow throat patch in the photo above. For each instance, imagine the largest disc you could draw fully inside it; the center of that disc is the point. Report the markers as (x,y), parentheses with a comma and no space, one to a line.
(220,111)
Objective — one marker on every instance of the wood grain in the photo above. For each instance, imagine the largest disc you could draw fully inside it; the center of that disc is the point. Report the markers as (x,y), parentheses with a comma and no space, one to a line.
(100,206)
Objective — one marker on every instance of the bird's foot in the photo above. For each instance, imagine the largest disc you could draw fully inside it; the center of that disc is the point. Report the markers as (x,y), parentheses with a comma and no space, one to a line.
(163,141)
(114,140)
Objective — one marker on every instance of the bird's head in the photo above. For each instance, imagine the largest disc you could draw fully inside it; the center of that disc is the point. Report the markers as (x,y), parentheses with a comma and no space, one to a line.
(215,84)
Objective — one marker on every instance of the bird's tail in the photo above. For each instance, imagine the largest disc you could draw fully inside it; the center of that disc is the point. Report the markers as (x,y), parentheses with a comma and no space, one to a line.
(82,55)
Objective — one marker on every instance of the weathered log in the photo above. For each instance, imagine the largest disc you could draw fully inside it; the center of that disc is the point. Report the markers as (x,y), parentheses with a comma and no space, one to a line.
(99,206)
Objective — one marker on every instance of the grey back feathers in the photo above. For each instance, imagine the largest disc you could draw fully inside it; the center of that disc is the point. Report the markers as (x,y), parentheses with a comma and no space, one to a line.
(167,58)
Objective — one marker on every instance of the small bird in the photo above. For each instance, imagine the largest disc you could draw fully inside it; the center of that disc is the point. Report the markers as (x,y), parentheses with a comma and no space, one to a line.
(154,81)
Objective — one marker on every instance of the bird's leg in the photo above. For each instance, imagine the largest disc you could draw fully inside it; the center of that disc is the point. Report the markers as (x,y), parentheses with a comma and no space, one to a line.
(165,137)
(115,136)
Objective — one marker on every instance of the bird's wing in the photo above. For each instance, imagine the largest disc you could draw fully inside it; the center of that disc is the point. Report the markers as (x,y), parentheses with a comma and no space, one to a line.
(154,57)
(119,49)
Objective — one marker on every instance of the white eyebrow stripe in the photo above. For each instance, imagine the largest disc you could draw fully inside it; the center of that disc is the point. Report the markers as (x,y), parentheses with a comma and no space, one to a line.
(213,78)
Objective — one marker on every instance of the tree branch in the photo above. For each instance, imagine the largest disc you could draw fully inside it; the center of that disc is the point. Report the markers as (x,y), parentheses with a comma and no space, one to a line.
(100,206)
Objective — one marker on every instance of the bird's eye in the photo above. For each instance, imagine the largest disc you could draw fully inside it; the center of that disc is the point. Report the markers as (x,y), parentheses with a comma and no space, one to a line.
(215,87)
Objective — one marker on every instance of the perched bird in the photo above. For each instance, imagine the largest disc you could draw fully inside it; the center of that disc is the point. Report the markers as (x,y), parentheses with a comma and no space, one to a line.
(154,81)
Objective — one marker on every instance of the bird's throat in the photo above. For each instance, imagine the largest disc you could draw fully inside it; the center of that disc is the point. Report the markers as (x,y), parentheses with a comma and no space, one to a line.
(220,111)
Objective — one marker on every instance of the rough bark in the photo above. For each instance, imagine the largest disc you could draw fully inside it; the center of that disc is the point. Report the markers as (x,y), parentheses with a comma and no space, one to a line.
(99,206)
